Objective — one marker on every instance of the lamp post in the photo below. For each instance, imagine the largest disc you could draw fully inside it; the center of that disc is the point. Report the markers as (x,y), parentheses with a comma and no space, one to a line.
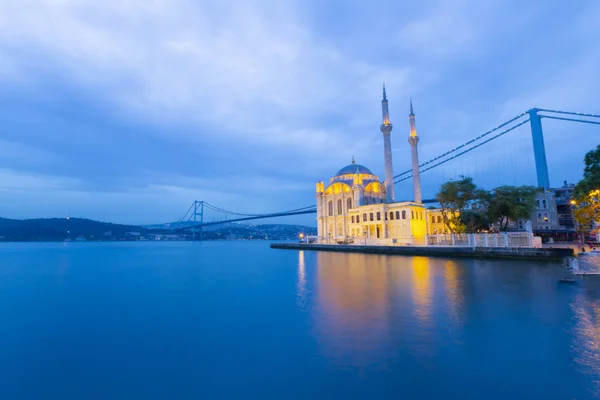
(329,238)
(365,235)
(301,237)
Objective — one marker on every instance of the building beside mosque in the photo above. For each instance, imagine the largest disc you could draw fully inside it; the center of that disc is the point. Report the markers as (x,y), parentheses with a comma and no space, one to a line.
(356,207)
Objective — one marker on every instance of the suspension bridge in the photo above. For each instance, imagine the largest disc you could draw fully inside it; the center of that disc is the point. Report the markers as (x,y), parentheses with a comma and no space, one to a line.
(194,218)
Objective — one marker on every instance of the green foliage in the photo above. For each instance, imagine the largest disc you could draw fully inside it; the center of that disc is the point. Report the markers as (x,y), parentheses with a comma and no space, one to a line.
(511,203)
(474,221)
(591,175)
(587,192)
(457,196)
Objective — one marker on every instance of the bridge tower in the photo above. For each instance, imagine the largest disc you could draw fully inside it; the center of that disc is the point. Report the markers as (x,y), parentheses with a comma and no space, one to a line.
(539,151)
(413,139)
(386,129)
(198,205)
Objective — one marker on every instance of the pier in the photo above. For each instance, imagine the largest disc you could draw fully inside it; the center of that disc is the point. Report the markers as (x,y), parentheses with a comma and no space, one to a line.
(549,254)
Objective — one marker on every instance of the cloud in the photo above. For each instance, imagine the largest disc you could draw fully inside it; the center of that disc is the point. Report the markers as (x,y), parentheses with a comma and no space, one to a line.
(264,97)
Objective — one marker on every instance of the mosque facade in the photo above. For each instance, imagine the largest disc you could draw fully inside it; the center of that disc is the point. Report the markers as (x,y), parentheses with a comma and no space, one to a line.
(356,207)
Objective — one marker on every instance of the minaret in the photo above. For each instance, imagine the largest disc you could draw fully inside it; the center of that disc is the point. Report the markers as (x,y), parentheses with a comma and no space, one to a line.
(413,139)
(386,129)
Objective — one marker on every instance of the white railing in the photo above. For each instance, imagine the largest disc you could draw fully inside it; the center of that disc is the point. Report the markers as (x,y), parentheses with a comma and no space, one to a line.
(509,239)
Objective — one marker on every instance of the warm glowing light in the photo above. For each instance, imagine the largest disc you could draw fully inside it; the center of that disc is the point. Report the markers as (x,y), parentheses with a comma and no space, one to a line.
(573,202)
(301,235)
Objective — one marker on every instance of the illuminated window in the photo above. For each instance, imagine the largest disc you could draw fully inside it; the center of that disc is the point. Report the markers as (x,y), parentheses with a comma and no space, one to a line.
(357,219)
(391,215)
(371,217)
(539,217)
(545,217)
(439,219)
(339,207)
(397,214)
(432,219)
(349,204)
(403,214)
(330,208)
(378,216)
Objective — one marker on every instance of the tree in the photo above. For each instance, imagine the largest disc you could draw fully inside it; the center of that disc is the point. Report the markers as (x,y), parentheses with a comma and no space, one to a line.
(587,192)
(511,203)
(474,221)
(457,196)
(591,175)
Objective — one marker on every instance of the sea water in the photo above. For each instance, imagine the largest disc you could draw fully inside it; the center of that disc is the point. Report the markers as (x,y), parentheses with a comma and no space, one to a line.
(156,320)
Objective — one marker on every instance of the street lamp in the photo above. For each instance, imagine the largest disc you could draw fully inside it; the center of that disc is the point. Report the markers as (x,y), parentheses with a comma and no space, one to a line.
(301,236)
(329,238)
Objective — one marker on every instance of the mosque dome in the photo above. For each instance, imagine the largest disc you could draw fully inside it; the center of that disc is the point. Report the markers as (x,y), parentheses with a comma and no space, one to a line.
(354,169)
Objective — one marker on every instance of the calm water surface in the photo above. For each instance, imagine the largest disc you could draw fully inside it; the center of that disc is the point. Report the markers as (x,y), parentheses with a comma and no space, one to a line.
(239,320)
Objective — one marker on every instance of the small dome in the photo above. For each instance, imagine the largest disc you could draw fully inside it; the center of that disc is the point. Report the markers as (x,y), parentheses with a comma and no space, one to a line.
(354,169)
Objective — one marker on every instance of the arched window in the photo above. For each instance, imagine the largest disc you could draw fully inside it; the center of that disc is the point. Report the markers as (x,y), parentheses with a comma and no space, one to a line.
(353,219)
(391,215)
(349,203)
(412,214)
(358,218)
(403,214)
(339,207)
(378,216)
(365,217)
(330,208)
(439,219)
(371,217)
(433,219)
(397,214)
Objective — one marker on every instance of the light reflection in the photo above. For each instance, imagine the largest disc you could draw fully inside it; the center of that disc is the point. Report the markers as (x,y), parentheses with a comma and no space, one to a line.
(352,314)
(301,285)
(586,338)
(422,288)
(454,293)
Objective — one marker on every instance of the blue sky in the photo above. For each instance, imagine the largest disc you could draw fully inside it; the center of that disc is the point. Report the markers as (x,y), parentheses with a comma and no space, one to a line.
(127,111)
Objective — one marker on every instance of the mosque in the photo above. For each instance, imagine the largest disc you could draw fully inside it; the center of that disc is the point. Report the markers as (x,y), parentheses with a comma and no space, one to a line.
(356,207)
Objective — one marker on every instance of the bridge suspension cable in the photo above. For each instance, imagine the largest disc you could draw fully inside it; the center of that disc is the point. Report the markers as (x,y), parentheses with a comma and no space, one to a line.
(465,151)
(218,209)
(569,113)
(465,144)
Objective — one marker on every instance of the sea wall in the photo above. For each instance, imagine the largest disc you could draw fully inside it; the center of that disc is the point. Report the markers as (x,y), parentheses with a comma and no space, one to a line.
(438,251)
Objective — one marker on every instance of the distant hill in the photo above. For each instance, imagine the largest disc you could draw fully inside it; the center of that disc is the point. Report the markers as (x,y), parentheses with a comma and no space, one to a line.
(60,229)
(53,229)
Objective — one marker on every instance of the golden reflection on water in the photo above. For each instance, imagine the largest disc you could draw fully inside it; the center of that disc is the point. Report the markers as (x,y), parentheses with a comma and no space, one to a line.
(422,288)
(365,305)
(352,315)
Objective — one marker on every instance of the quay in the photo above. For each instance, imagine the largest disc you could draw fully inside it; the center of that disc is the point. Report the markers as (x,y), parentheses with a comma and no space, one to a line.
(523,253)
